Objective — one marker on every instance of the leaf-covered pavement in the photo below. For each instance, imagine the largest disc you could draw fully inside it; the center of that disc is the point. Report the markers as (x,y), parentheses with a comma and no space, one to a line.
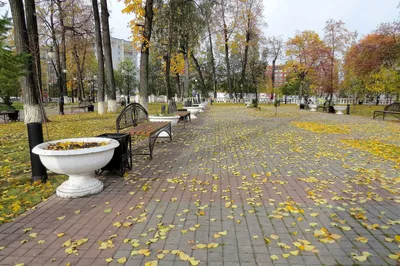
(236,187)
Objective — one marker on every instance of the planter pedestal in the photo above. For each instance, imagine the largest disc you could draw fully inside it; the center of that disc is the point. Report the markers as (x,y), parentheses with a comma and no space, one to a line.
(313,107)
(173,119)
(339,109)
(79,186)
(193,111)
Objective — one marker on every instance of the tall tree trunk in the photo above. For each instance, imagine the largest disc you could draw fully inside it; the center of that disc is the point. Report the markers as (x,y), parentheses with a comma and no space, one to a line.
(198,68)
(214,76)
(100,59)
(186,76)
(31,24)
(112,102)
(228,66)
(300,91)
(32,110)
(246,52)
(273,73)
(57,64)
(273,76)
(144,55)
(63,56)
(178,90)
(332,73)
(167,58)
(81,93)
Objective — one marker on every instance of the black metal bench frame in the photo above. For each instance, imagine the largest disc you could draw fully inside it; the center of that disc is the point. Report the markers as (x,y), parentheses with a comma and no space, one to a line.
(182,118)
(10,112)
(134,115)
(391,109)
(82,105)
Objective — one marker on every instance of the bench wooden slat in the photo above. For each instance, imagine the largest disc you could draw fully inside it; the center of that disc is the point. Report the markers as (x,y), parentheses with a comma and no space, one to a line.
(135,117)
(148,129)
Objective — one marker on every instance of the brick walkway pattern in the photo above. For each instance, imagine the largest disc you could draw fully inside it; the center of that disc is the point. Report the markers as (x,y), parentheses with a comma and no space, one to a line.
(235,187)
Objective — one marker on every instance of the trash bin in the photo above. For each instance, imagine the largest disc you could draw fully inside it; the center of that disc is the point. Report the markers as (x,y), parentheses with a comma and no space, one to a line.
(90,108)
(122,158)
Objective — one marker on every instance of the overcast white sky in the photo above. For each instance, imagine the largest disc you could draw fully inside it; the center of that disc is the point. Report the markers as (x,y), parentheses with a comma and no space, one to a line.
(284,17)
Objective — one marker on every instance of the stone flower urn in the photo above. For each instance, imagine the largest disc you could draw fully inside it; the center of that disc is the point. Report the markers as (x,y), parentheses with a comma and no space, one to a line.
(174,119)
(79,164)
(194,110)
(339,109)
(313,107)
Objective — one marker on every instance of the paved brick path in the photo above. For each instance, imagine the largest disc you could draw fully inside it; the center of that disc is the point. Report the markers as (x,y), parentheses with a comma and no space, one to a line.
(239,178)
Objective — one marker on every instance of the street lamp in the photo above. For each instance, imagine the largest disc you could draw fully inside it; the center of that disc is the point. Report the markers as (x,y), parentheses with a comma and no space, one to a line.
(51,54)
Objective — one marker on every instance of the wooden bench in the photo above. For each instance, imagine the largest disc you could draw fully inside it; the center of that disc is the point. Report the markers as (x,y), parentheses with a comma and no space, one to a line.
(391,109)
(8,111)
(184,115)
(85,104)
(135,117)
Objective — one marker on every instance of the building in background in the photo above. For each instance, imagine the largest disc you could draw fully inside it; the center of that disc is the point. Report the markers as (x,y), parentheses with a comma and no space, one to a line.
(122,50)
(280,75)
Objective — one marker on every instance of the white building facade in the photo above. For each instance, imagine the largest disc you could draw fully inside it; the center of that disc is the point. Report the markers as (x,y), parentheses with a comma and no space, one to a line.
(122,50)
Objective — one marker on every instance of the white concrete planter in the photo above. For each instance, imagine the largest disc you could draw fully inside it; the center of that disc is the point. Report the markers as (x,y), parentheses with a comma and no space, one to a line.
(78,164)
(173,119)
(193,111)
(203,106)
(313,107)
(339,109)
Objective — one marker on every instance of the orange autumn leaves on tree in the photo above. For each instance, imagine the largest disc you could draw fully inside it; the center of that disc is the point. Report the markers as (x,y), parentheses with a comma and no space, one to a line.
(304,52)
(371,53)
(373,61)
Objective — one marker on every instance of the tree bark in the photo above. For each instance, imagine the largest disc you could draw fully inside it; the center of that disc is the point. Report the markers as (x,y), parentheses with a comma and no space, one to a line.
(112,103)
(100,59)
(81,93)
(186,77)
(246,52)
(32,110)
(167,58)
(198,68)
(31,24)
(144,54)
(178,90)
(273,73)
(228,66)
(214,78)
(63,57)
(57,64)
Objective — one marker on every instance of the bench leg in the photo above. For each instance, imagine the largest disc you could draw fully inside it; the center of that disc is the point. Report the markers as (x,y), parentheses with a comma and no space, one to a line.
(151,146)
(170,132)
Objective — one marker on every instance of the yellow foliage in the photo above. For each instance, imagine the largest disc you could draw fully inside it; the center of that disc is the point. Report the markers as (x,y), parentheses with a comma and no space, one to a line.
(377,148)
(322,128)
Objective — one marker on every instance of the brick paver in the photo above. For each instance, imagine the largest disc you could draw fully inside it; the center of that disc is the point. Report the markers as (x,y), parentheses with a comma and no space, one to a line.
(237,177)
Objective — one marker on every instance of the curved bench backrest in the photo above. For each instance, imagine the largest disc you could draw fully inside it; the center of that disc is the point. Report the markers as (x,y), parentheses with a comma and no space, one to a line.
(393,107)
(132,115)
